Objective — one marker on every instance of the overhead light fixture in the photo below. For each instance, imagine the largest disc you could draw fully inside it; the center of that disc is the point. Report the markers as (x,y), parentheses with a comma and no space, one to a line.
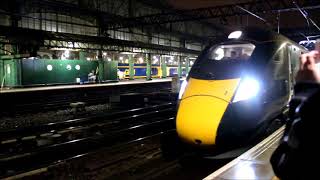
(69,67)
(128,53)
(235,35)
(63,49)
(49,67)
(77,67)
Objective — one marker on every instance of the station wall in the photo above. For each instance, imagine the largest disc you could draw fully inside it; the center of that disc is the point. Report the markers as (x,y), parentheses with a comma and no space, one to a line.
(26,72)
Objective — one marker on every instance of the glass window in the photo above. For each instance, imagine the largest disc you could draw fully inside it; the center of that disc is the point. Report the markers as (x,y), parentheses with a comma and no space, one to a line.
(231,52)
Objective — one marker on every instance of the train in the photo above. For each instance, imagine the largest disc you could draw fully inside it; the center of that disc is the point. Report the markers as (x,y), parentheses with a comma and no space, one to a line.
(236,90)
(141,69)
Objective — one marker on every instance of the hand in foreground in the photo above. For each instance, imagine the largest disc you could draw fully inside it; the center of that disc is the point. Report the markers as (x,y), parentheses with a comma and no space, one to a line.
(308,70)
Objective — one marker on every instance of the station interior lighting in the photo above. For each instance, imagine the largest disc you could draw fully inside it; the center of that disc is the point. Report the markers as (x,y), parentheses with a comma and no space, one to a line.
(64,49)
(120,58)
(109,59)
(69,67)
(128,53)
(49,67)
(140,60)
(104,53)
(65,54)
(155,59)
(77,67)
(307,42)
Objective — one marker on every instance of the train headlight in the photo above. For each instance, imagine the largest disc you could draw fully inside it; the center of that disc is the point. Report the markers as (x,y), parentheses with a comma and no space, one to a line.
(182,88)
(247,89)
(235,35)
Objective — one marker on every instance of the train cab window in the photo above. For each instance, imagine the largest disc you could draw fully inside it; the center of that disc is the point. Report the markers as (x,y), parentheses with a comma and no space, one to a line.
(231,52)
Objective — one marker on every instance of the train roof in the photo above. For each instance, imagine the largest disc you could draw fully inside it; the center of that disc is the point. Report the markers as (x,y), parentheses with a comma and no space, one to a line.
(259,35)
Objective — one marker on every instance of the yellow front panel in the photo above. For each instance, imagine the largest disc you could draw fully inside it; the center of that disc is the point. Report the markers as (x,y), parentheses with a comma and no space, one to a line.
(223,89)
(202,107)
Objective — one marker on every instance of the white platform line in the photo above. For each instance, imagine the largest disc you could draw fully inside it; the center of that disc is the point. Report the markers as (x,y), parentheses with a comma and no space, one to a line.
(266,143)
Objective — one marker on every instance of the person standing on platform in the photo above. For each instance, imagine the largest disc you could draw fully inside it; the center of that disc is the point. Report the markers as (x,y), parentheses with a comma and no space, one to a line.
(297,155)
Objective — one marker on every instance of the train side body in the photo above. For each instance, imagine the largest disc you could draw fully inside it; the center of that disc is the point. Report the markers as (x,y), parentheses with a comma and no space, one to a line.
(140,70)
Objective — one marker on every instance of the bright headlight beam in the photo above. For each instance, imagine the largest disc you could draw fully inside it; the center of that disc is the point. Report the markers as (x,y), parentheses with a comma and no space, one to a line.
(247,89)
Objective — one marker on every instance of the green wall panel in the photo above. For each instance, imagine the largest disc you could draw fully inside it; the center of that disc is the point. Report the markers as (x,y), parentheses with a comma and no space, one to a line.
(1,71)
(42,71)
(11,72)
(24,72)
(108,70)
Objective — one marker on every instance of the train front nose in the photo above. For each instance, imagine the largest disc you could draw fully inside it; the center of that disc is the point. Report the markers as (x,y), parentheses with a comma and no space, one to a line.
(201,109)
(198,119)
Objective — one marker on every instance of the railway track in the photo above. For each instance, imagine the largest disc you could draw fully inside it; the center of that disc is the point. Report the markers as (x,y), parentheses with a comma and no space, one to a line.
(80,136)
(56,102)
(137,159)
(40,130)
(123,160)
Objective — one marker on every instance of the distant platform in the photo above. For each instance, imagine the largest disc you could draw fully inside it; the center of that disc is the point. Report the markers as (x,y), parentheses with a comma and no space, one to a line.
(76,86)
(253,164)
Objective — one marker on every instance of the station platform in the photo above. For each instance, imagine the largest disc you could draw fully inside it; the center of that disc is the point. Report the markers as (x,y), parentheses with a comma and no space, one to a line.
(253,164)
(93,85)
